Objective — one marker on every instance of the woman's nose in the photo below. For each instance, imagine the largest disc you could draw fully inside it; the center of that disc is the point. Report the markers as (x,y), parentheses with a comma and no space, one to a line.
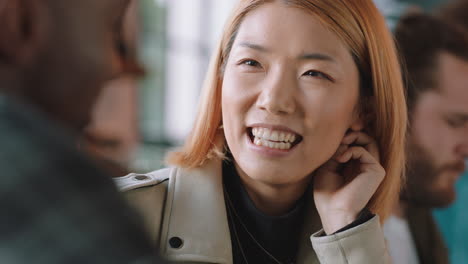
(278,95)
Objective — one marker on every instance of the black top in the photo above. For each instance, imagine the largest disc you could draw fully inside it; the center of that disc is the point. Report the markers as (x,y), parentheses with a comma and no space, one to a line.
(259,238)
(256,237)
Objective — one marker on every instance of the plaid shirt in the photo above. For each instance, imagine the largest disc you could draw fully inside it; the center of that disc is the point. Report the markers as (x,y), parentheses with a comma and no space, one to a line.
(56,206)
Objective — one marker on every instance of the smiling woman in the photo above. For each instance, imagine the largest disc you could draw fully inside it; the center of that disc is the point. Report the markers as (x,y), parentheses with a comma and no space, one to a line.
(301,127)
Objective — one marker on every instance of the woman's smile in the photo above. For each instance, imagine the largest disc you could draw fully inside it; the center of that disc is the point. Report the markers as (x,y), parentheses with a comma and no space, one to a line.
(271,139)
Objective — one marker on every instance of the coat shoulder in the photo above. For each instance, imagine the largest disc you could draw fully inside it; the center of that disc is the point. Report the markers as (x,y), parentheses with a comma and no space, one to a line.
(147,194)
(134,181)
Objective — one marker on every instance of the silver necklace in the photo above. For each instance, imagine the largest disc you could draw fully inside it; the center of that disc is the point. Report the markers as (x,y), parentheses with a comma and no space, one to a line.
(231,208)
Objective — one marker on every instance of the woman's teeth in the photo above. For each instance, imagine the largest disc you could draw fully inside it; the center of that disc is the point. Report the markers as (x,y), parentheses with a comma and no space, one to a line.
(274,145)
(272,139)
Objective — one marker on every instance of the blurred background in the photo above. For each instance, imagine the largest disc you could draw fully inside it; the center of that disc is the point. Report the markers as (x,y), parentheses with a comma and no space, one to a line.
(137,121)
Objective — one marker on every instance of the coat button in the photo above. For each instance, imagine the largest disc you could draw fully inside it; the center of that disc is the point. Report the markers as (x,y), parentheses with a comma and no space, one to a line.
(176,242)
(140,177)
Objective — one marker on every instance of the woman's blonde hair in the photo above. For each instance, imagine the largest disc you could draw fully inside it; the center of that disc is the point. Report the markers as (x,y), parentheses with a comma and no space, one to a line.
(363,30)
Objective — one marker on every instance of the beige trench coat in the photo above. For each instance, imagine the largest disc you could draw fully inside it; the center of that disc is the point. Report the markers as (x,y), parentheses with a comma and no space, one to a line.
(187,206)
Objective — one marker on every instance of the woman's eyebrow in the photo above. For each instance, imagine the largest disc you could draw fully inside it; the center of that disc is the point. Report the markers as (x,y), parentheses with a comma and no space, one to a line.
(463,117)
(304,56)
(254,46)
(316,56)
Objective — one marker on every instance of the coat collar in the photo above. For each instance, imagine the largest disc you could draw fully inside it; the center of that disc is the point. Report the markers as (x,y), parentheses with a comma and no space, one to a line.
(196,213)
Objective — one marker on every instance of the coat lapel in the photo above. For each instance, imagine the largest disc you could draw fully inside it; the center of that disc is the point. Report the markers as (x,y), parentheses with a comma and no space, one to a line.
(196,214)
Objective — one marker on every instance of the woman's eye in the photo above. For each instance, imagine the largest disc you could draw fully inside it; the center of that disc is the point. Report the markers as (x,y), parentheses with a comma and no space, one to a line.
(318,74)
(252,63)
(455,123)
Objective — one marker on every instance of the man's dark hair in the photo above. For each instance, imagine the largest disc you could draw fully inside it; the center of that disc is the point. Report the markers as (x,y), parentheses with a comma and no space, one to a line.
(455,12)
(421,38)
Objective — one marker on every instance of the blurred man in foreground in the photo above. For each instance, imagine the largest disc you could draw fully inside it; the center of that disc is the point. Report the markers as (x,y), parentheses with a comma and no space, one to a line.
(57,207)
(437,72)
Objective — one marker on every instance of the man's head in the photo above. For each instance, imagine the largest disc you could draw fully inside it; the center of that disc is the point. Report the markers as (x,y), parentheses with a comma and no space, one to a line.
(436,55)
(57,54)
(455,12)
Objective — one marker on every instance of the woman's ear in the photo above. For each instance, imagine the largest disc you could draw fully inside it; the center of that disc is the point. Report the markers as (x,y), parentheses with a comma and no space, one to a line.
(363,115)
(358,124)
(22,30)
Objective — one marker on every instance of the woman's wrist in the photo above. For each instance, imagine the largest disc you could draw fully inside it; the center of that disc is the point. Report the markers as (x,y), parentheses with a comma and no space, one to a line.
(363,216)
(333,222)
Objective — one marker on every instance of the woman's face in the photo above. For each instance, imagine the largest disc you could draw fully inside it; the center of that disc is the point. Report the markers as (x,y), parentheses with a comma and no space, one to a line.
(289,95)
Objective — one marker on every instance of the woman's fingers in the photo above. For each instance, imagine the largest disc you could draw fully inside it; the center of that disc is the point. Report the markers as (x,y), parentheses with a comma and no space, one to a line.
(364,140)
(368,163)
(341,149)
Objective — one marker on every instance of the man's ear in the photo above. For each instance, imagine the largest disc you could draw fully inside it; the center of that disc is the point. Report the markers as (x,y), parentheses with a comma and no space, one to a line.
(23,28)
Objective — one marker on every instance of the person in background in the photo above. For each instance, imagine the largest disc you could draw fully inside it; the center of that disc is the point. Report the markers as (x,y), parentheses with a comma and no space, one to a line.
(436,58)
(298,147)
(57,206)
(452,220)
(454,12)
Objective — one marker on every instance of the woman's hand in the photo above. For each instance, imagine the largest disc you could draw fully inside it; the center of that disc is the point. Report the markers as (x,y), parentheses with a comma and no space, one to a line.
(344,185)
